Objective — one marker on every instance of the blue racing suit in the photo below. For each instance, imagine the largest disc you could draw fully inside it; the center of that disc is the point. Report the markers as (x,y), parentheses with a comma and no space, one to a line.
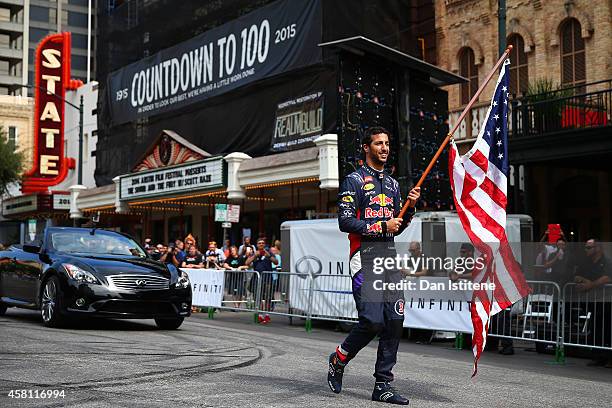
(366,200)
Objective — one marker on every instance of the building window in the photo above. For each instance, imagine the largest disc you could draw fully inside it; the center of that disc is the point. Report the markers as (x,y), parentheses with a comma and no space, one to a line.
(39,14)
(468,70)
(573,61)
(519,78)
(36,36)
(79,62)
(79,41)
(12,137)
(77,19)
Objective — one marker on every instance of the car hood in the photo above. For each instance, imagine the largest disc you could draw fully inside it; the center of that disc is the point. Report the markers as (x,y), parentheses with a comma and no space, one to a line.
(119,266)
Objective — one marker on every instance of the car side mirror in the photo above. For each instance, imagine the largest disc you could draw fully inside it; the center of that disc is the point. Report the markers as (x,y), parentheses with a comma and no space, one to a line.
(31,248)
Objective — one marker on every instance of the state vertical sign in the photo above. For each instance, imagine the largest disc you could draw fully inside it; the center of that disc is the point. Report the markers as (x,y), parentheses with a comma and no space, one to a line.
(52,78)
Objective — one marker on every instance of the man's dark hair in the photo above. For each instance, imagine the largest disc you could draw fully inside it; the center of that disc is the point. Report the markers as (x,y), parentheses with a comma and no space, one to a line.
(374,130)
(467,246)
(596,242)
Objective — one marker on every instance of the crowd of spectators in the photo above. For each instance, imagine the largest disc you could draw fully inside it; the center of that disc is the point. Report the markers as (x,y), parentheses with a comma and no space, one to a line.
(188,254)
(246,257)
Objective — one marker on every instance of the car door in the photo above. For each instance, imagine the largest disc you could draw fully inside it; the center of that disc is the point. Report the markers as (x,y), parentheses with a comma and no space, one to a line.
(6,266)
(31,269)
(20,273)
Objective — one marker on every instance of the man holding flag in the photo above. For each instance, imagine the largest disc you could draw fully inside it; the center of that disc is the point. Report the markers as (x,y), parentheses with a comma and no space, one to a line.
(368,205)
(479,181)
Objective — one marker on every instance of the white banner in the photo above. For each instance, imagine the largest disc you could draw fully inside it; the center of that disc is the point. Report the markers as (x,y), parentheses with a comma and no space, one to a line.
(433,305)
(207,286)
(320,248)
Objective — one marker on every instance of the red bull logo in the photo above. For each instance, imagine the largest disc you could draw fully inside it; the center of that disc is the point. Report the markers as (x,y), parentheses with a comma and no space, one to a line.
(377,228)
(382,212)
(399,307)
(382,200)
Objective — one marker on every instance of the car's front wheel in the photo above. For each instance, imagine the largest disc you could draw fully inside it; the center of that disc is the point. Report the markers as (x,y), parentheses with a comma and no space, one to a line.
(3,308)
(50,299)
(169,324)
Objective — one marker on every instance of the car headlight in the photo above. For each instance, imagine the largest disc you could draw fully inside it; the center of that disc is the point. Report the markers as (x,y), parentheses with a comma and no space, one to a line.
(79,274)
(183,280)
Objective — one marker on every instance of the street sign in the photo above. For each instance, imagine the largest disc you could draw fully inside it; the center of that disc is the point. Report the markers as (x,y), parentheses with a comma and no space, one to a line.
(233,213)
(226,225)
(32,229)
(227,213)
(221,212)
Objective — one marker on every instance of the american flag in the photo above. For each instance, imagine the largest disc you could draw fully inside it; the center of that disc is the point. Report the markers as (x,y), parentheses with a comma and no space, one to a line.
(479,182)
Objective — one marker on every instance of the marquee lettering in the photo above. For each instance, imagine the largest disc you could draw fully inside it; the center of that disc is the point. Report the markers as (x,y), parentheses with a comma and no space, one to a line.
(52,79)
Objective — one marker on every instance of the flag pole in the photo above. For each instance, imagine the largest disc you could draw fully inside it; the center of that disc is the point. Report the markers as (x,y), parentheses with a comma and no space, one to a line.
(467,108)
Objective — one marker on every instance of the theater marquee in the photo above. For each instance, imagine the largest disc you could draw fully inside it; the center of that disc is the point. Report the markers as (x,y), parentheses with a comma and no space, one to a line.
(185,178)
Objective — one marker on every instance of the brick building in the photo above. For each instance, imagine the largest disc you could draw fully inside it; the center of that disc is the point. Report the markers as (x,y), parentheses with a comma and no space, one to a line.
(558,140)
(16,120)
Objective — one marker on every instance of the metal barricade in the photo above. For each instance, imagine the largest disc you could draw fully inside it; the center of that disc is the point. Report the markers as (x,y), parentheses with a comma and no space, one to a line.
(537,318)
(241,291)
(587,316)
(308,296)
(285,293)
(572,316)
(332,298)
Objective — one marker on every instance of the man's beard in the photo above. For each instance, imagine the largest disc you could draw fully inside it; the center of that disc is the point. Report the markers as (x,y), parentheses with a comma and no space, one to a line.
(377,161)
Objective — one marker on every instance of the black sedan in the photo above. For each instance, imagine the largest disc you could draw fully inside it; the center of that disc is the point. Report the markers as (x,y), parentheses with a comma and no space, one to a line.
(92,272)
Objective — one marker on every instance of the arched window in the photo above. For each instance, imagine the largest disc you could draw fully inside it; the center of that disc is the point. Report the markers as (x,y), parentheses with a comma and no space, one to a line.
(468,70)
(519,78)
(573,62)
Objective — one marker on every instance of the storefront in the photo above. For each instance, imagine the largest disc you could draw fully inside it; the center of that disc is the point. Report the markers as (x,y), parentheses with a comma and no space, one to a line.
(36,211)
(173,190)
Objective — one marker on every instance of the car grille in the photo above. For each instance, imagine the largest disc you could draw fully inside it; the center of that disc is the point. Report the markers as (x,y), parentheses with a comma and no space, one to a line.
(138,282)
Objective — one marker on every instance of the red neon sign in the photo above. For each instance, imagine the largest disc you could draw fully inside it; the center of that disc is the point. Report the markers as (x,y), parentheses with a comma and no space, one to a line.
(53,74)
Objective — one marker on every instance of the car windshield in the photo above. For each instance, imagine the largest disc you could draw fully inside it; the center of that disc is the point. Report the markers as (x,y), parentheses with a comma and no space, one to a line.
(98,243)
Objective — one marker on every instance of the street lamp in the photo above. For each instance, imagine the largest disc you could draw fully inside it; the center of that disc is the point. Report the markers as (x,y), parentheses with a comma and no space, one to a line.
(80,109)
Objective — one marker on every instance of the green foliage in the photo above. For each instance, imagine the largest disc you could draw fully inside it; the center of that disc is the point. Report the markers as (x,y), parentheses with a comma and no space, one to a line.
(11,163)
(546,102)
(543,89)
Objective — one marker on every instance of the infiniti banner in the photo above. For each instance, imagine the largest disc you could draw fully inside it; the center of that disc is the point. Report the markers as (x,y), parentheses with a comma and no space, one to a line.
(280,37)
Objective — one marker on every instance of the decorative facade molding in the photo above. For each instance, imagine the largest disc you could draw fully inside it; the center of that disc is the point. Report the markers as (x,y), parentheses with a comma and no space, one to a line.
(167,150)
(328,161)
(468,42)
(562,15)
(515,27)
(234,189)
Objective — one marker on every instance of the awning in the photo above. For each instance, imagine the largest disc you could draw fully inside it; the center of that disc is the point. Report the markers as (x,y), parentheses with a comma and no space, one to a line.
(361,46)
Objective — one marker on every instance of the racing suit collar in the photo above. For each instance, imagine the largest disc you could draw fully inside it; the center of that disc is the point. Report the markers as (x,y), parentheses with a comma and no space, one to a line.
(376,173)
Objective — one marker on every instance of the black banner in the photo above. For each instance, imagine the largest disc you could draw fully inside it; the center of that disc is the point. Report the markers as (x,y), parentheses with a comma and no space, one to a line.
(298,121)
(269,41)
